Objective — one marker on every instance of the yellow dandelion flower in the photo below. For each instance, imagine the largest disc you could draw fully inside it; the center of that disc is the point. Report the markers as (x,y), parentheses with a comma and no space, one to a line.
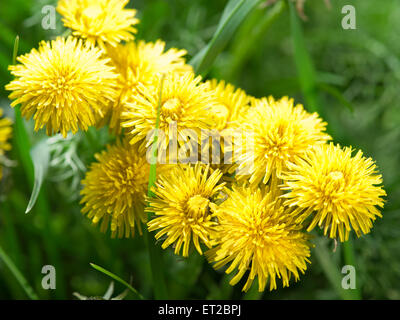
(140,63)
(231,103)
(256,233)
(339,191)
(282,132)
(99,21)
(5,135)
(63,85)
(185,106)
(115,188)
(184,196)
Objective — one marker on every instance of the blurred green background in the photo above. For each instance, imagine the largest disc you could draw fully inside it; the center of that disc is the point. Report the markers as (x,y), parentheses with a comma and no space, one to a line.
(358,82)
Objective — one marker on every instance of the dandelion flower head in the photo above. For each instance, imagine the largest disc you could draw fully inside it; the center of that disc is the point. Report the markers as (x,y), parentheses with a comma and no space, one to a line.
(114,189)
(182,205)
(99,21)
(339,191)
(64,85)
(141,62)
(185,107)
(281,132)
(256,233)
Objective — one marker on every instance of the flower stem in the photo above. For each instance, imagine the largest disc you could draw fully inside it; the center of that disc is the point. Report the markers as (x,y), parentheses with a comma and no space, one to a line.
(349,259)
(155,252)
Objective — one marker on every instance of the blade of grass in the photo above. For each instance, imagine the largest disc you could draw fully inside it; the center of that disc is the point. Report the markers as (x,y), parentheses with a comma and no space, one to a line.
(116,278)
(8,222)
(18,275)
(249,35)
(10,240)
(304,65)
(7,38)
(15,50)
(336,94)
(234,14)
(155,252)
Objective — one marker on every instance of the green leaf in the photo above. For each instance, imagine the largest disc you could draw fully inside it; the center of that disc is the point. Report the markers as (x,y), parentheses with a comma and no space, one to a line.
(336,94)
(18,275)
(304,65)
(234,14)
(251,32)
(40,155)
(116,278)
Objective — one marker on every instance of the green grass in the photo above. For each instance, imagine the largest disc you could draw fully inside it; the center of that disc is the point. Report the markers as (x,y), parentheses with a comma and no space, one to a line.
(118,279)
(350,76)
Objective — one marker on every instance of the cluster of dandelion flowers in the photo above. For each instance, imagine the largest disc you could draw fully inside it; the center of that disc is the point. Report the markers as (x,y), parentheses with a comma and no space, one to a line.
(99,21)
(115,188)
(282,133)
(339,191)
(185,107)
(256,232)
(64,85)
(5,135)
(140,62)
(182,205)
